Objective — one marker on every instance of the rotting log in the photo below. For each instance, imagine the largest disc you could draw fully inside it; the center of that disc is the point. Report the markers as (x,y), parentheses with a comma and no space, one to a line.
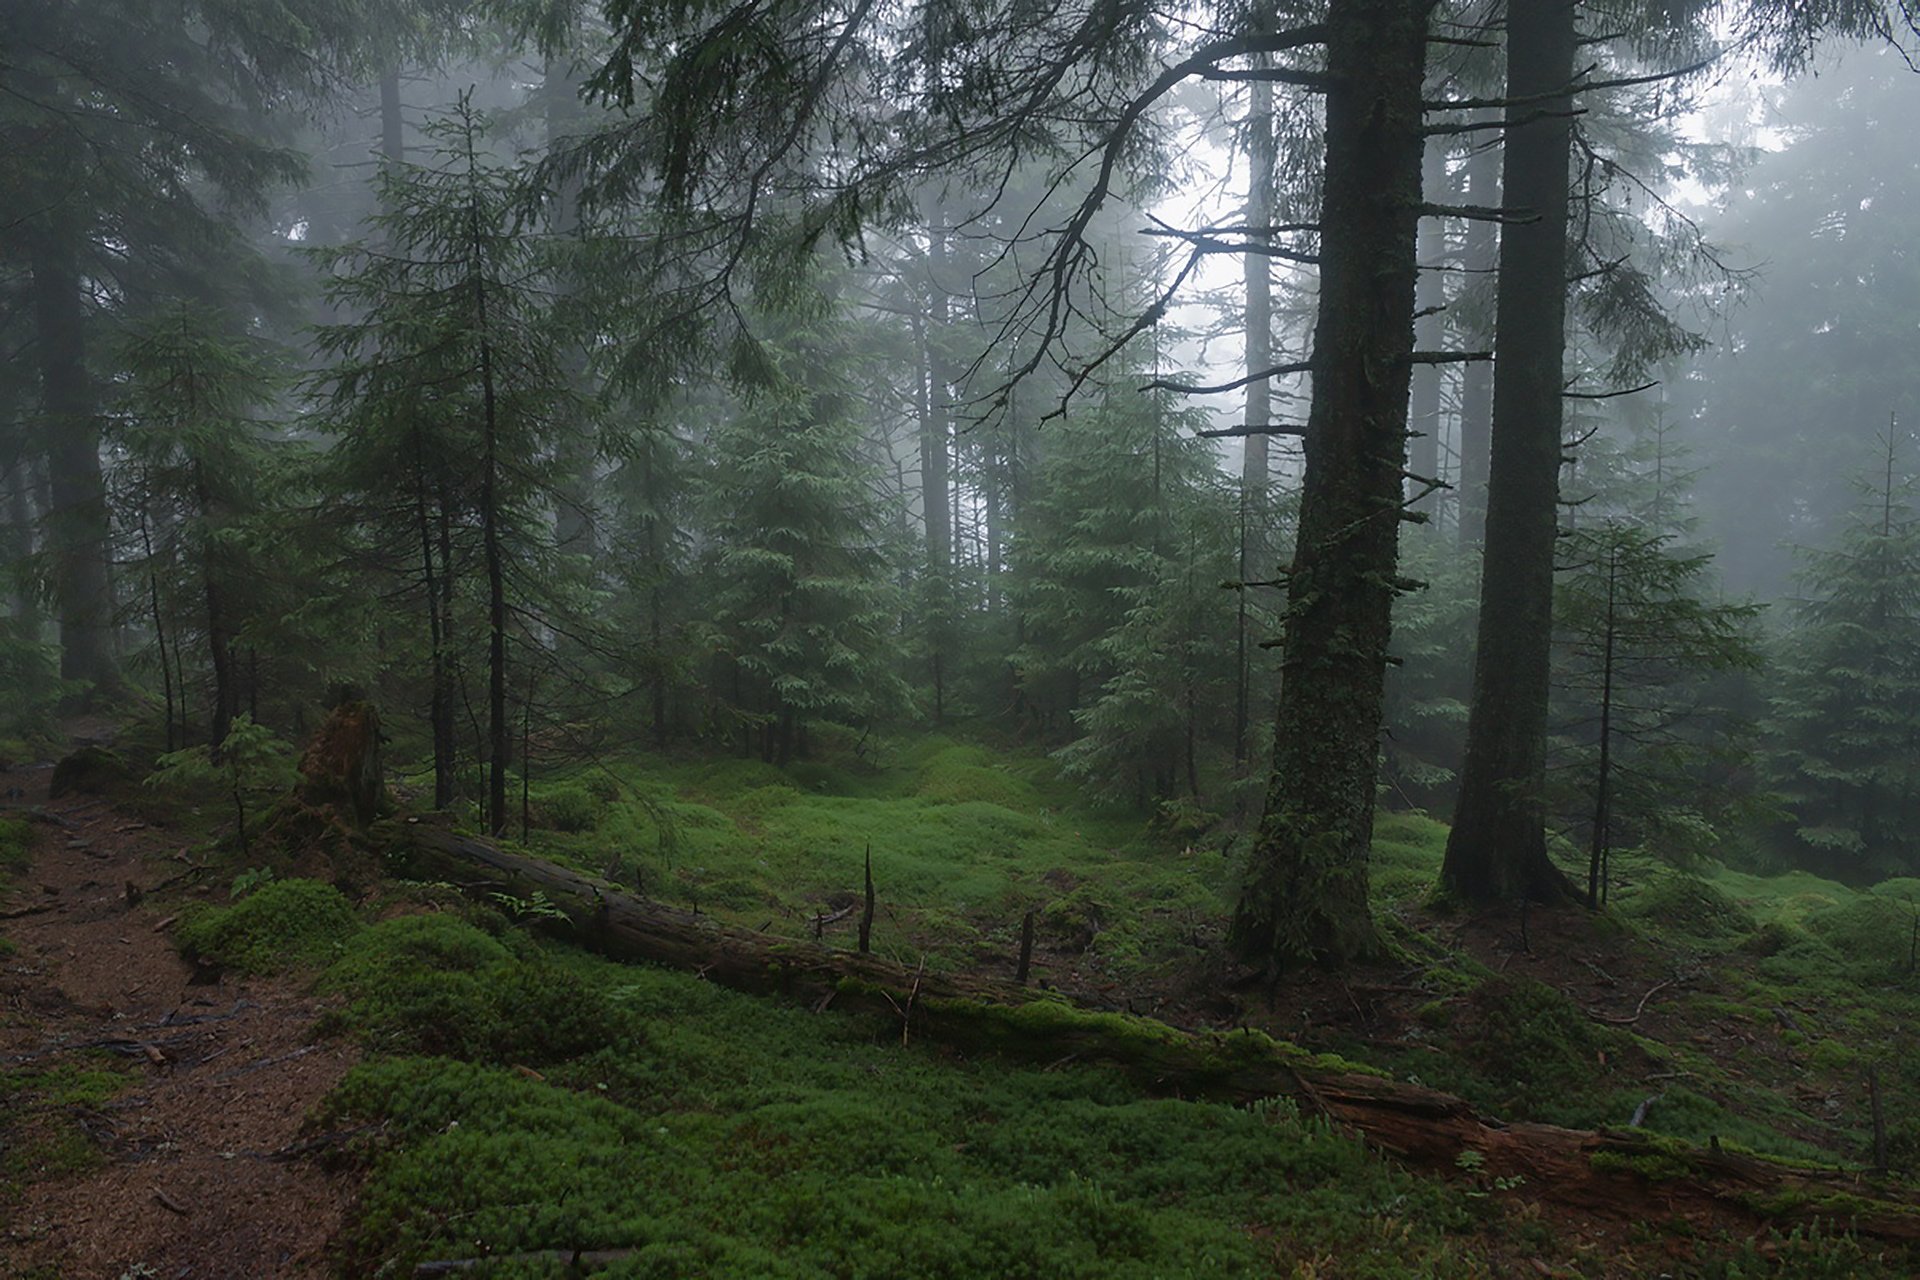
(1612,1173)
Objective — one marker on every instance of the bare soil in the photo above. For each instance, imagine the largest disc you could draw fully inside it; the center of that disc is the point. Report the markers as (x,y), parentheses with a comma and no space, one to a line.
(196,1170)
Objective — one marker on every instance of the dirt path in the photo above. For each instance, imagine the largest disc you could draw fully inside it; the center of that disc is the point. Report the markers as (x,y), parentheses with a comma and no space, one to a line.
(194,1169)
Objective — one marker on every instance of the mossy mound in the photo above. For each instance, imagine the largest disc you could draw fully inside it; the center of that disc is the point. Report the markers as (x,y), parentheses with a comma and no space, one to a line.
(1687,904)
(93,771)
(286,924)
(433,984)
(1870,933)
(1534,1047)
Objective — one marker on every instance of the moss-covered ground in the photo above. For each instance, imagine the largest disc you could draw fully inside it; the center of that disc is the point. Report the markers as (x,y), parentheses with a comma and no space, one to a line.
(520,1095)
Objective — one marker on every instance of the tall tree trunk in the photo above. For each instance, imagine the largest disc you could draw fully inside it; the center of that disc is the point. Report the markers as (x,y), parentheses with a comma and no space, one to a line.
(1255,550)
(393,124)
(1479,258)
(1306,892)
(1497,850)
(226,685)
(17,545)
(574,527)
(77,522)
(1429,331)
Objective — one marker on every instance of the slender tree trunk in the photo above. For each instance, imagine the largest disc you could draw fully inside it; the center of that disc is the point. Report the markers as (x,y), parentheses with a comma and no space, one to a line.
(77,521)
(1306,893)
(1429,332)
(393,122)
(1603,783)
(159,624)
(1497,850)
(499,731)
(1480,257)
(574,529)
(226,685)
(1255,551)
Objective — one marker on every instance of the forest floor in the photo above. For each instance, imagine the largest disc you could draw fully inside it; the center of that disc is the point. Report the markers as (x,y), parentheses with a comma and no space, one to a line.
(148,1114)
(464,1091)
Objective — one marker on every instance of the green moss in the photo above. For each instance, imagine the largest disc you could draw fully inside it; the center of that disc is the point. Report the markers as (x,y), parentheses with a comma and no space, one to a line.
(746,1138)
(433,984)
(286,924)
(90,771)
(16,844)
(1871,934)
(1692,906)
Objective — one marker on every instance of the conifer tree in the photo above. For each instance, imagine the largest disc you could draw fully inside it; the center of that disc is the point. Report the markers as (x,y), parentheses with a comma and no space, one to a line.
(1845,724)
(801,605)
(200,474)
(446,393)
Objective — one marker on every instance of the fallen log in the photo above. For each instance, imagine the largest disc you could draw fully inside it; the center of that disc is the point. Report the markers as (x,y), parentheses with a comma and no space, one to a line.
(1606,1172)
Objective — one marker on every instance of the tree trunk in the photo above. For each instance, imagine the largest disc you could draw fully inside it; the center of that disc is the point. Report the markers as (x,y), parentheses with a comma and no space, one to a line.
(1497,850)
(226,684)
(77,523)
(393,122)
(1306,893)
(1480,257)
(1429,332)
(1256,553)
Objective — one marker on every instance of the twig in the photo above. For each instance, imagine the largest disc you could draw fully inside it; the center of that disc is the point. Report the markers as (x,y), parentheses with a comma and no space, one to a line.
(168,1202)
(1638,1009)
(906,1016)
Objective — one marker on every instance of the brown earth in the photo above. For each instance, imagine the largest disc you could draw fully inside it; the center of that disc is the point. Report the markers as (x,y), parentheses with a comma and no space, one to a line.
(197,1168)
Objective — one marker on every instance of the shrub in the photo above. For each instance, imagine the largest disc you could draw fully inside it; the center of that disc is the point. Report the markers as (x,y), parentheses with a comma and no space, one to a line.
(572,809)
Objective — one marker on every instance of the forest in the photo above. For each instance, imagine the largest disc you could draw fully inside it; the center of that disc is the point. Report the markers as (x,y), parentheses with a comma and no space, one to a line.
(949,640)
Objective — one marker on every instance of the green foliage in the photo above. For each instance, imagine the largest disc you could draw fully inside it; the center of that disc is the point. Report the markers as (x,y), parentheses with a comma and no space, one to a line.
(1645,753)
(30,685)
(572,809)
(283,925)
(1128,636)
(251,765)
(801,607)
(1845,726)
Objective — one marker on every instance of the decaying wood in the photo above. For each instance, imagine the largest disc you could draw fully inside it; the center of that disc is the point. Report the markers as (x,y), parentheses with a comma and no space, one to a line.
(1607,1172)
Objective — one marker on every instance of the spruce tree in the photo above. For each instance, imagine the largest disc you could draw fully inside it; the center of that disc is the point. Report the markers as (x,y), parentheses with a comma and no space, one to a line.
(1845,724)
(802,609)
(446,393)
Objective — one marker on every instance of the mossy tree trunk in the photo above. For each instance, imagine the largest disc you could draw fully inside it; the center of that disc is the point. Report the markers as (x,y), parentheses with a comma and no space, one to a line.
(1306,895)
(1497,850)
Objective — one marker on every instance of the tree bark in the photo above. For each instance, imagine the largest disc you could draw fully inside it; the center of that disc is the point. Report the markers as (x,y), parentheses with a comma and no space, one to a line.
(77,523)
(1429,332)
(1255,551)
(1497,850)
(1306,893)
(1479,258)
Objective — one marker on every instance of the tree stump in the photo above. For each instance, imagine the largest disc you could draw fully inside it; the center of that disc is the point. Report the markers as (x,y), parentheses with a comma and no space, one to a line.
(341,769)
